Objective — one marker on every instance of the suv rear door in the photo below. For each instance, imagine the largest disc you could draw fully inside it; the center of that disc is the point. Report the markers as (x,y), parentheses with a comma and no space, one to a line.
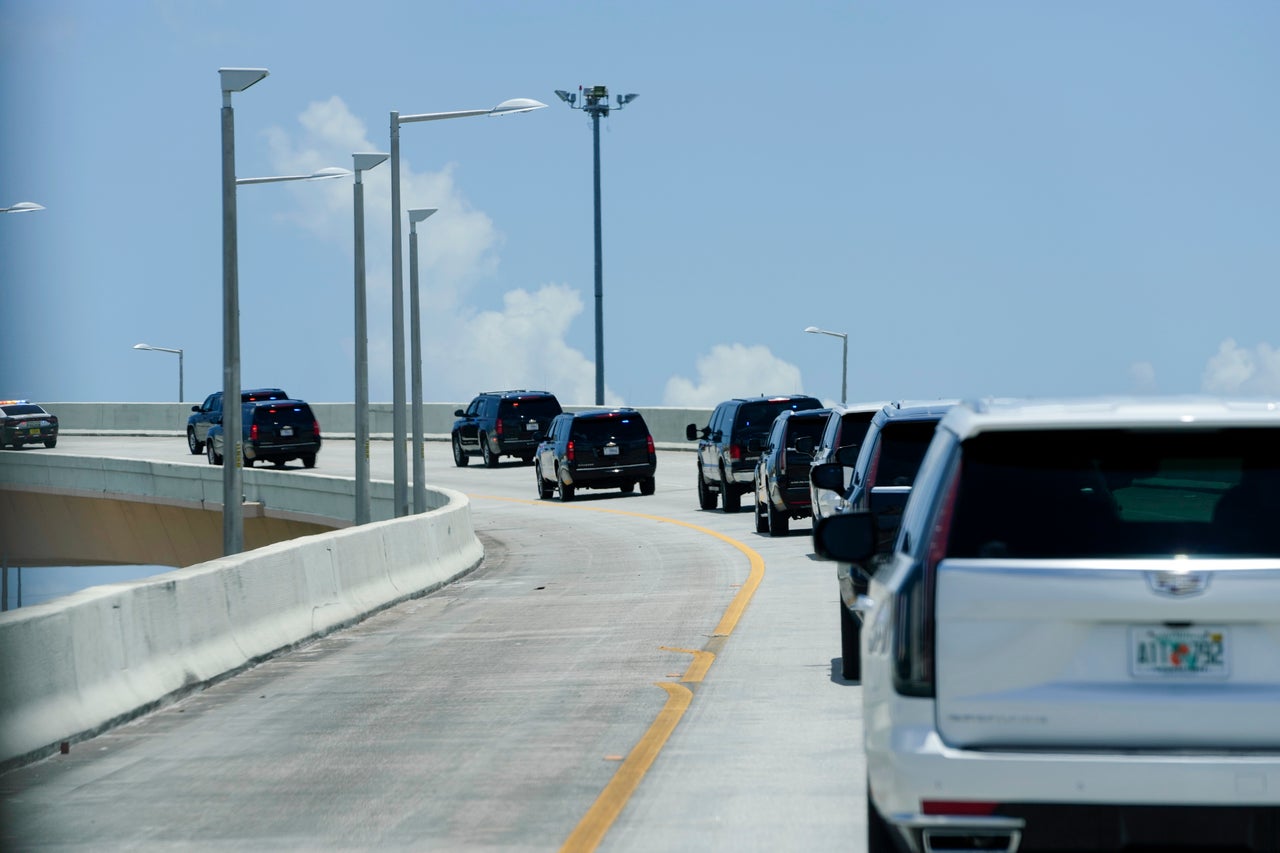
(610,441)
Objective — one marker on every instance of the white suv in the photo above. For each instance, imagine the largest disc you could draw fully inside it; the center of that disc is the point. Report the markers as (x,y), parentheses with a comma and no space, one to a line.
(1075,642)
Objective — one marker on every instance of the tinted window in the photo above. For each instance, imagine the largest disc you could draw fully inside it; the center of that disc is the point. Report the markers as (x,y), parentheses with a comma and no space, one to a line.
(531,407)
(1119,493)
(853,429)
(623,427)
(902,446)
(756,417)
(22,409)
(810,427)
(294,415)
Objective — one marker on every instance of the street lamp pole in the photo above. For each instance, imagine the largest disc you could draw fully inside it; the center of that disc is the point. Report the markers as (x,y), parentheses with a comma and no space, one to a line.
(363,512)
(844,373)
(415,357)
(596,104)
(166,349)
(233,80)
(399,461)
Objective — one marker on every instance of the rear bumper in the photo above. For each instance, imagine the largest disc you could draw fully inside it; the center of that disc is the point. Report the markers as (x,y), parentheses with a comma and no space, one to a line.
(281,451)
(607,477)
(1076,801)
(25,436)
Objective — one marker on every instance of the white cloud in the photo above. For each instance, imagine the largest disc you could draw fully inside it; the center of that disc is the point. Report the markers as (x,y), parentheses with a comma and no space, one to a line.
(733,370)
(1235,370)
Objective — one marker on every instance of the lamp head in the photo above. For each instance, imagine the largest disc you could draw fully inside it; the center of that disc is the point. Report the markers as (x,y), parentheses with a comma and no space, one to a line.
(567,97)
(623,100)
(418,214)
(368,160)
(516,105)
(23,207)
(239,79)
(814,329)
(141,346)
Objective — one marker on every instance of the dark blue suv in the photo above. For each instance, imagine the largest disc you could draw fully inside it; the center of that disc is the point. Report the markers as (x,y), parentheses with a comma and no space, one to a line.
(604,449)
(275,431)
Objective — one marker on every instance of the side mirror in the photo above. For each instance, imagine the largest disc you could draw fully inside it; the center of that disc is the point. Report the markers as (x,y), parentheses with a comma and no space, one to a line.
(458,413)
(805,444)
(847,537)
(829,476)
(691,432)
(848,455)
(195,408)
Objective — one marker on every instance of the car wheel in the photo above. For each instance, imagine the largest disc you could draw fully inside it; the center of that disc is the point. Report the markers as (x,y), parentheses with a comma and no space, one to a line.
(566,491)
(732,499)
(249,460)
(850,650)
(214,458)
(779,522)
(648,486)
(627,488)
(308,460)
(51,442)
(460,457)
(762,520)
(706,497)
(545,490)
(879,835)
(490,458)
(193,444)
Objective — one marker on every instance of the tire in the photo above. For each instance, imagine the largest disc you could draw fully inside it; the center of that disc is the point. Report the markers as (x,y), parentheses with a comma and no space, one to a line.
(706,497)
(545,489)
(490,458)
(195,446)
(214,458)
(248,462)
(51,442)
(850,650)
(762,520)
(879,835)
(732,499)
(460,457)
(779,522)
(648,486)
(566,492)
(627,488)
(308,460)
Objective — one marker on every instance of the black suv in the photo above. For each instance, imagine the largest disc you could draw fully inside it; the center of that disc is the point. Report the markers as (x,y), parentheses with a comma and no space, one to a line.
(274,431)
(602,449)
(725,465)
(209,413)
(885,469)
(502,423)
(782,474)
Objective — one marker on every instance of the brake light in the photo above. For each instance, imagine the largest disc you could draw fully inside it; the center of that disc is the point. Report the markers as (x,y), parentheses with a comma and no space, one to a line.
(497,426)
(735,452)
(253,432)
(649,442)
(568,452)
(958,807)
(315,425)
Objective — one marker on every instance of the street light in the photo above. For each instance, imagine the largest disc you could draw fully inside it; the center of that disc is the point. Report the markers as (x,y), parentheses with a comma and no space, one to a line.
(166,349)
(415,357)
(596,104)
(400,467)
(844,374)
(237,80)
(22,207)
(363,508)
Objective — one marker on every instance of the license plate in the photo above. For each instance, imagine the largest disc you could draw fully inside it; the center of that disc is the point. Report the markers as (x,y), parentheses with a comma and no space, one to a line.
(611,451)
(531,426)
(1158,651)
(286,430)
(34,431)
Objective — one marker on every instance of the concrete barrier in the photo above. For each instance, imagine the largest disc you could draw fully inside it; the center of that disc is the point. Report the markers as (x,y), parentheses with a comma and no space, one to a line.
(74,667)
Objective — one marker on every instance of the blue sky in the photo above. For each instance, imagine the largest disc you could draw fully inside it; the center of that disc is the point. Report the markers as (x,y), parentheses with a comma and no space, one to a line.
(990,198)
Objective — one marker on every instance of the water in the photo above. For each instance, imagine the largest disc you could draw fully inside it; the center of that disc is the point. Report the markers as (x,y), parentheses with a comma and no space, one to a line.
(38,584)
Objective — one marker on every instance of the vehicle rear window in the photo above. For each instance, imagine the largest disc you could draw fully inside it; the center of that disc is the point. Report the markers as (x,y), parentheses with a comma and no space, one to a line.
(22,409)
(530,407)
(296,415)
(804,427)
(1100,493)
(623,427)
(902,446)
(759,416)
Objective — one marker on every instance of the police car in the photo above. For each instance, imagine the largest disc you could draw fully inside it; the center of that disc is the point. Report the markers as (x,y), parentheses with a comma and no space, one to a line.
(23,422)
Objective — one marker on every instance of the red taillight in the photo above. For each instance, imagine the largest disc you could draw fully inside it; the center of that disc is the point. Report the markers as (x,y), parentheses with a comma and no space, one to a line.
(568,452)
(958,807)
(735,452)
(497,426)
(253,432)
(649,442)
(315,425)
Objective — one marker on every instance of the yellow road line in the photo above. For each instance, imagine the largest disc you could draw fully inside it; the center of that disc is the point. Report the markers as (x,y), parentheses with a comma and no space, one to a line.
(598,820)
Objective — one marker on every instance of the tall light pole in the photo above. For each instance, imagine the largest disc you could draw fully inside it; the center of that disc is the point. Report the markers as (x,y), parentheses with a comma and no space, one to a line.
(22,207)
(363,513)
(595,102)
(400,466)
(166,349)
(415,356)
(844,373)
(237,80)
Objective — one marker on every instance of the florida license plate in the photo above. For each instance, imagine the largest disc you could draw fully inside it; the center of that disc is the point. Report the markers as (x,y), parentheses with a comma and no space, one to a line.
(1160,651)
(611,451)
(286,430)
(531,426)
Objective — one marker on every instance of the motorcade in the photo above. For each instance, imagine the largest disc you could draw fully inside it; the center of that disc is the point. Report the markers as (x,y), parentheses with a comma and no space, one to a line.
(884,470)
(23,422)
(598,449)
(275,431)
(1074,640)
(726,467)
(782,474)
(846,427)
(502,423)
(206,414)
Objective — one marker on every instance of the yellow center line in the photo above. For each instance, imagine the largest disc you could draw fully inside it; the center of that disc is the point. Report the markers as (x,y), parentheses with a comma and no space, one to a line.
(598,820)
